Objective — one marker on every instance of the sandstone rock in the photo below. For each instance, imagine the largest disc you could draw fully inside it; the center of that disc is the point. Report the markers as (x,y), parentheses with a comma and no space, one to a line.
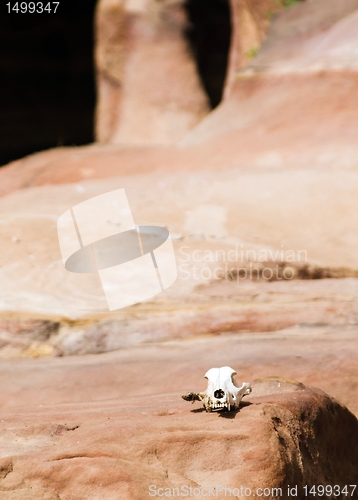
(148,83)
(249,176)
(291,104)
(250,23)
(294,436)
(148,87)
(291,107)
(310,38)
(46,309)
(243,178)
(321,355)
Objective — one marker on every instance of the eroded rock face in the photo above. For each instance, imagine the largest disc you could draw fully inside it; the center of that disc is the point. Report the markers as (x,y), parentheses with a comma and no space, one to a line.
(293,106)
(109,426)
(244,177)
(309,38)
(48,309)
(287,434)
(149,90)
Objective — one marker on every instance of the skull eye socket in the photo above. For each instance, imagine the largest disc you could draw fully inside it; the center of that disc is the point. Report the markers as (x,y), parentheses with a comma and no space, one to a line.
(219,394)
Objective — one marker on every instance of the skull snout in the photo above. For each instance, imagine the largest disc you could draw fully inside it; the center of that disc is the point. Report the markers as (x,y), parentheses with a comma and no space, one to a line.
(219,394)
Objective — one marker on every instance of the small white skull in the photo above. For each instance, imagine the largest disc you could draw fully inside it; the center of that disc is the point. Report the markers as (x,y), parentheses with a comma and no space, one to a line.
(223,390)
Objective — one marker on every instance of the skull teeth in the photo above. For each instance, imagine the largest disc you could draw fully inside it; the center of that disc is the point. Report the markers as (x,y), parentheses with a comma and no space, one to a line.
(219,405)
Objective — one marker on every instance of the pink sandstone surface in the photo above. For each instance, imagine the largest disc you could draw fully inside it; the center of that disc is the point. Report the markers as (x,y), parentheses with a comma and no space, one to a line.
(90,400)
(112,425)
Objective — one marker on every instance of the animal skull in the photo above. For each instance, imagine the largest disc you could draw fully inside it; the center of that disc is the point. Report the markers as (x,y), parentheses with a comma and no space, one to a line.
(222,391)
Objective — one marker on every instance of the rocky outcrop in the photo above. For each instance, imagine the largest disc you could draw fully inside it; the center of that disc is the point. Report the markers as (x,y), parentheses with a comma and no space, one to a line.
(148,86)
(308,38)
(211,294)
(285,436)
(44,306)
(250,23)
(292,105)
(253,176)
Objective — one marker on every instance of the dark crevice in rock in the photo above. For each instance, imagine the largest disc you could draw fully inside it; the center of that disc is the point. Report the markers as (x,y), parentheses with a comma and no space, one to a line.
(71,457)
(6,466)
(47,84)
(58,430)
(209,35)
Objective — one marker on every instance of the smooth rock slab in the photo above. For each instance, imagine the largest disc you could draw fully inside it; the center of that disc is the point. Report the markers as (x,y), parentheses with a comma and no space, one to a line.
(273,210)
(119,448)
(324,356)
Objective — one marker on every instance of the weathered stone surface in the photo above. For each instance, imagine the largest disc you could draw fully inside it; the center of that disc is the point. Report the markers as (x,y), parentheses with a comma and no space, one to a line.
(276,213)
(253,175)
(251,20)
(208,295)
(320,355)
(292,105)
(309,38)
(149,90)
(287,434)
(306,37)
(148,87)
